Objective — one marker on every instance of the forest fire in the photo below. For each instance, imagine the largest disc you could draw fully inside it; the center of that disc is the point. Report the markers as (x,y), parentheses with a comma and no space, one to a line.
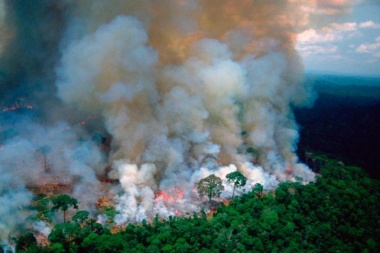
(120,115)
(171,199)
(51,184)
(126,112)
(19,104)
(170,196)
(288,169)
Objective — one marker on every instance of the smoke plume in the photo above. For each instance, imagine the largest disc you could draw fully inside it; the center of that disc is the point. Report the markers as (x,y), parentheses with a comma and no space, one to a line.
(181,85)
(154,95)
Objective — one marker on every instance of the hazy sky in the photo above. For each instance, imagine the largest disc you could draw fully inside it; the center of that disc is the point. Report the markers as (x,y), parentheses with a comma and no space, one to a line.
(349,44)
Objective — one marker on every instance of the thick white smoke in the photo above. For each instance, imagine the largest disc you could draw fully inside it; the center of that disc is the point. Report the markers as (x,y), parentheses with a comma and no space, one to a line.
(171,107)
(35,158)
(184,88)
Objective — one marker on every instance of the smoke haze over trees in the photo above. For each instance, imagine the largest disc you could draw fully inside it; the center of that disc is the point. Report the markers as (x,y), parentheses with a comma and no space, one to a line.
(136,101)
(338,212)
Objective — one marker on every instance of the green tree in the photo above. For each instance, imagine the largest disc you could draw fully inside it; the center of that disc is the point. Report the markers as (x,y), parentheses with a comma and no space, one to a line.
(104,243)
(68,234)
(27,243)
(41,205)
(110,212)
(258,190)
(238,179)
(63,202)
(81,217)
(56,248)
(210,186)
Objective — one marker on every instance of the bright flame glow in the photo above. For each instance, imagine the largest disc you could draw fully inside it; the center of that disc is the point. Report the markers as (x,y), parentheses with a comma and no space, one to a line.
(169,196)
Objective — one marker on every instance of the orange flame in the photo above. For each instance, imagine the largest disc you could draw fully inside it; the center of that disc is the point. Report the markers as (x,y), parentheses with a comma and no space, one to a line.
(288,169)
(171,195)
(17,105)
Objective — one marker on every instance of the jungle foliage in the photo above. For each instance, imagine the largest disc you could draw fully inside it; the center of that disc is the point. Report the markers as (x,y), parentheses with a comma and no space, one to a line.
(339,212)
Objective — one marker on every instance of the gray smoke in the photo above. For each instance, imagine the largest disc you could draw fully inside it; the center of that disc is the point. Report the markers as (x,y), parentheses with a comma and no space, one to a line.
(175,89)
(183,89)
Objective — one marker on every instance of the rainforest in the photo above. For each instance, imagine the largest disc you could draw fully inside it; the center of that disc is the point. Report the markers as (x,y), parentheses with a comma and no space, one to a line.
(189,126)
(337,213)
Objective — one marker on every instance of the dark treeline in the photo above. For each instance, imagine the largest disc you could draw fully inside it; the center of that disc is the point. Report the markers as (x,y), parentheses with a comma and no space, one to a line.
(344,121)
(337,213)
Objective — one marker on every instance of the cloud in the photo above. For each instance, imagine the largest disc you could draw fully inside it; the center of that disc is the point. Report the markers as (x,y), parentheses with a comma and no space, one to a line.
(369,24)
(331,38)
(334,32)
(370,48)
(335,27)
(329,33)
(324,40)
(313,36)
(307,50)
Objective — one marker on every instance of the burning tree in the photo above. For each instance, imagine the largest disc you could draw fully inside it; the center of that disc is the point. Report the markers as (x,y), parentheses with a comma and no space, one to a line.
(238,179)
(210,186)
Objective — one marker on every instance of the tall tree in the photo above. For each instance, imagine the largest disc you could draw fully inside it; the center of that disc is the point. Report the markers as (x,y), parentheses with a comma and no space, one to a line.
(63,202)
(258,190)
(210,186)
(238,179)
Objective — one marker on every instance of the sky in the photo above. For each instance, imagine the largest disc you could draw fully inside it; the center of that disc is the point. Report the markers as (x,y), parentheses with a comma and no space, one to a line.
(348,44)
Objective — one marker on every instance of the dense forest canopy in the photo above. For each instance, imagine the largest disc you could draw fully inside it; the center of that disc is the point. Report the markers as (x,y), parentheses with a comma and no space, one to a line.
(121,122)
(339,212)
(344,120)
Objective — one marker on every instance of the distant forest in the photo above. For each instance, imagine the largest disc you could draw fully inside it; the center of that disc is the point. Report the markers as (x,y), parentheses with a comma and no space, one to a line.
(337,213)
(344,120)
